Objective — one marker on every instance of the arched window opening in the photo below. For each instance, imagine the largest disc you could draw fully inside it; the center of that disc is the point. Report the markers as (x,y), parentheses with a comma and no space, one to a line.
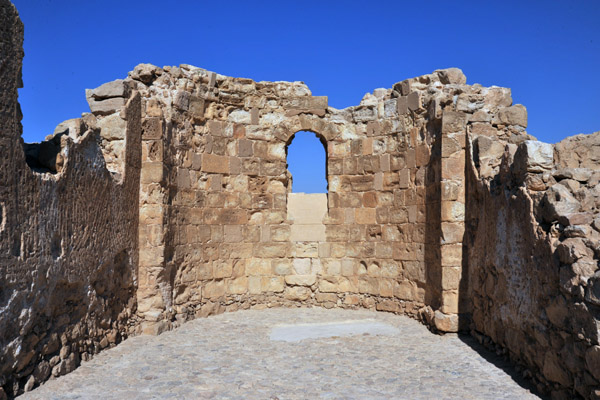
(307,163)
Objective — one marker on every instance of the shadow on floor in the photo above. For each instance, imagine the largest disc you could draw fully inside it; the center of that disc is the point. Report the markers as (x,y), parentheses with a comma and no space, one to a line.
(501,362)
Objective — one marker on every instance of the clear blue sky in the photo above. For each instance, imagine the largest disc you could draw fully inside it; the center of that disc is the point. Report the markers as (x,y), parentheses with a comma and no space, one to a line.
(306,162)
(547,51)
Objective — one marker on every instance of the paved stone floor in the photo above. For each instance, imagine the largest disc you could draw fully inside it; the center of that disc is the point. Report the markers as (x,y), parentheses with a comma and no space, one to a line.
(290,354)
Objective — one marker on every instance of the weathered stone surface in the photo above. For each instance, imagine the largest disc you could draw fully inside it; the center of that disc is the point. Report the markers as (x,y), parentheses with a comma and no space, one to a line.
(116,88)
(105,107)
(513,115)
(579,151)
(559,201)
(145,73)
(578,174)
(535,157)
(446,323)
(76,229)
(451,76)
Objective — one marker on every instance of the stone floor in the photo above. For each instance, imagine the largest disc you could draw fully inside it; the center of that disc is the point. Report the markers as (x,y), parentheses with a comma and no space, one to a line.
(290,354)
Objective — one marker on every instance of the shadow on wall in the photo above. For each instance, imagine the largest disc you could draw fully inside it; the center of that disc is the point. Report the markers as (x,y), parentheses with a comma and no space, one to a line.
(307,162)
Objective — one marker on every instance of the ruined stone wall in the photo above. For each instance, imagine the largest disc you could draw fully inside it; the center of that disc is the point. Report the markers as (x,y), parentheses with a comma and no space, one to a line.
(215,228)
(68,235)
(533,255)
(172,200)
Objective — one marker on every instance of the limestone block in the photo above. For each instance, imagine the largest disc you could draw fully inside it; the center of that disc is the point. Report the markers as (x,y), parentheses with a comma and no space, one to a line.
(305,233)
(297,293)
(414,270)
(116,88)
(222,269)
(451,255)
(215,128)
(453,121)
(254,284)
(282,266)
(105,107)
(453,211)
(368,285)
(306,102)
(281,233)
(533,156)
(402,105)
(414,101)
(258,267)
(514,115)
(152,128)
(324,250)
(302,266)
(305,249)
(389,306)
(405,87)
(238,285)
(274,284)
(239,117)
(352,299)
(214,290)
(332,267)
(145,73)
(451,278)
(183,178)
(579,218)
(451,76)
(301,280)
(383,250)
(329,284)
(452,232)
(386,287)
(365,216)
(348,267)
(112,127)
(454,167)
(196,108)
(445,322)
(326,298)
(215,163)
(152,172)
(182,100)
(336,233)
(578,174)
(483,129)
(390,108)
(497,97)
(450,146)
(449,302)
(232,233)
(559,201)
(364,113)
(307,208)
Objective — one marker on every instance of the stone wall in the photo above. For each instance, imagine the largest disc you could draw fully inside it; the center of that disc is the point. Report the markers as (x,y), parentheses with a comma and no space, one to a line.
(532,259)
(172,200)
(215,231)
(68,235)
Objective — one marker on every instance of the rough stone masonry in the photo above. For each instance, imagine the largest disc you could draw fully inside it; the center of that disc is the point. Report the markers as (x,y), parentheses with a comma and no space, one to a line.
(171,200)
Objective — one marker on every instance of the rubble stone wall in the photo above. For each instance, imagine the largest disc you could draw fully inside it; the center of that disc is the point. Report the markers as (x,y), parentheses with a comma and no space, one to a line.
(68,236)
(532,239)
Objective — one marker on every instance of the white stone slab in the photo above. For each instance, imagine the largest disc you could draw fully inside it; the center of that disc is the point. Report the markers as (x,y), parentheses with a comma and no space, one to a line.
(299,332)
